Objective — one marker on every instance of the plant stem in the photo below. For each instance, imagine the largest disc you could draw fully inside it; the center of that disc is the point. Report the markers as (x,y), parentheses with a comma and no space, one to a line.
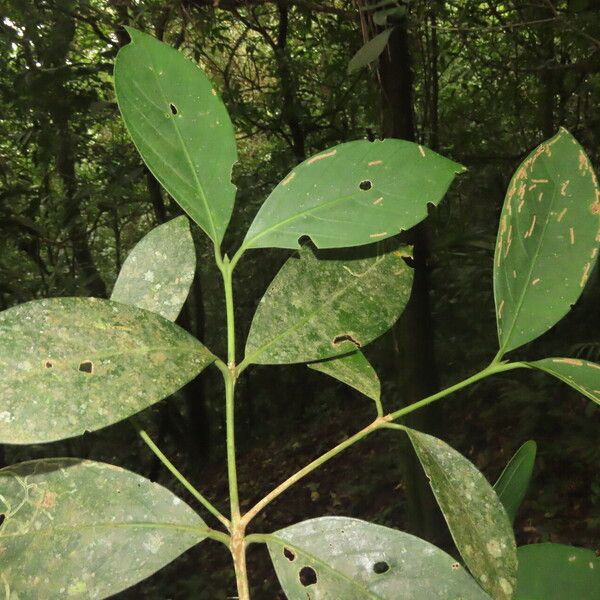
(229,371)
(180,477)
(379,423)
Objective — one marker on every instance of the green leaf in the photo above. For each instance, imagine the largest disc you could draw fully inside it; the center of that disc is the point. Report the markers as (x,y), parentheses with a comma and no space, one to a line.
(353,194)
(512,484)
(355,560)
(318,307)
(68,365)
(370,51)
(353,370)
(83,529)
(180,127)
(381,16)
(158,272)
(547,242)
(475,516)
(557,572)
(582,375)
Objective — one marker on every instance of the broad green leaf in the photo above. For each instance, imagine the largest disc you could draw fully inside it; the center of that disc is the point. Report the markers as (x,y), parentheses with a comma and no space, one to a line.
(318,307)
(353,370)
(180,127)
(547,243)
(582,375)
(158,272)
(70,365)
(513,482)
(331,558)
(83,529)
(557,572)
(475,516)
(353,194)
(370,51)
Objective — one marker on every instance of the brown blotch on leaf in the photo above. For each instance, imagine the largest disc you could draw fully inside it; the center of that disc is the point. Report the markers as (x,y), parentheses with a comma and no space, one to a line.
(48,364)
(345,337)
(86,366)
(49,500)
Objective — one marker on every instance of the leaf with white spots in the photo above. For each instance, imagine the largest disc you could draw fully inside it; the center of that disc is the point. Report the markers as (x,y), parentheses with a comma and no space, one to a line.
(70,365)
(547,243)
(83,529)
(337,557)
(582,375)
(353,370)
(180,127)
(327,304)
(476,518)
(513,482)
(353,194)
(557,572)
(158,272)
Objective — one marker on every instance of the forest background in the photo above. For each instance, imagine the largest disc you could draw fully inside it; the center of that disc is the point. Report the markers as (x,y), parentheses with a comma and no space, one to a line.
(480,82)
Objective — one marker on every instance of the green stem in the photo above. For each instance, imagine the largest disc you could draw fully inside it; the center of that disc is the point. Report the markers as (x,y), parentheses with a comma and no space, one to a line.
(180,477)
(379,423)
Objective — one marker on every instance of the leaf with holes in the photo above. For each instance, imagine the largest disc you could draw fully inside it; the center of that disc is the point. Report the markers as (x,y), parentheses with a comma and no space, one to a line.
(548,240)
(353,194)
(475,516)
(158,272)
(70,365)
(582,375)
(83,529)
(512,484)
(337,557)
(327,304)
(353,370)
(370,51)
(180,127)
(557,572)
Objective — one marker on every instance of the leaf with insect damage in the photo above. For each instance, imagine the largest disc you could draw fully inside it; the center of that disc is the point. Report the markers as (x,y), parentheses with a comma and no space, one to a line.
(353,370)
(476,518)
(582,375)
(353,194)
(70,365)
(158,272)
(557,572)
(513,482)
(84,529)
(339,557)
(548,240)
(327,304)
(180,127)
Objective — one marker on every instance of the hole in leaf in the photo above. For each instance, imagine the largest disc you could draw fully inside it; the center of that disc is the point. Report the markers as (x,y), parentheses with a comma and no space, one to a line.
(345,337)
(381,567)
(365,185)
(173,109)
(289,554)
(2,519)
(410,261)
(87,366)
(303,240)
(455,566)
(307,576)
(48,364)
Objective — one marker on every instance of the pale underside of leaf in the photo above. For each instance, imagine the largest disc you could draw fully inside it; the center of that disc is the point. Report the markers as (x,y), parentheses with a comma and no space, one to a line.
(353,370)
(180,127)
(82,529)
(582,375)
(68,365)
(337,557)
(547,243)
(158,272)
(318,307)
(353,194)
(370,51)
(476,518)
